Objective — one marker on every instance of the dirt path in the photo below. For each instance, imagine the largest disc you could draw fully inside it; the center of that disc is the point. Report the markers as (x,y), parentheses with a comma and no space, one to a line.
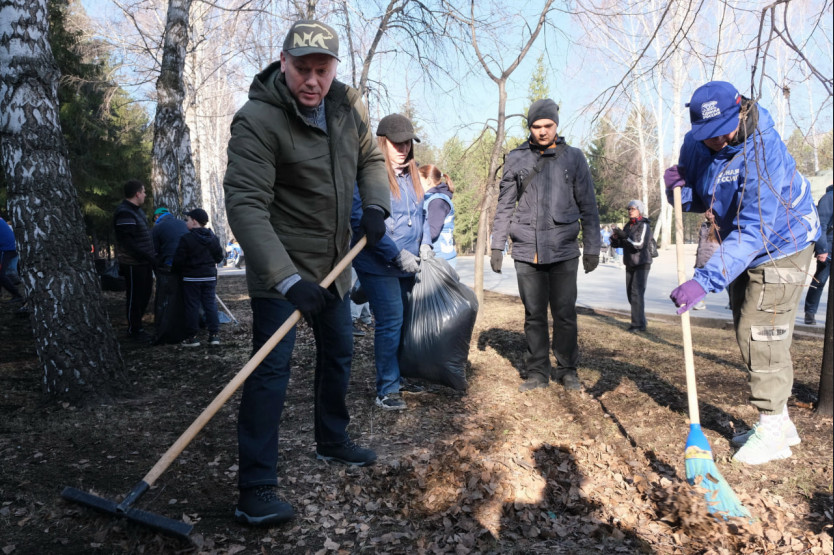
(491,471)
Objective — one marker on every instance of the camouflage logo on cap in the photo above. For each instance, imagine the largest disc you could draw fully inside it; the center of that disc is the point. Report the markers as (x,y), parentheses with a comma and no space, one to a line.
(309,37)
(311,34)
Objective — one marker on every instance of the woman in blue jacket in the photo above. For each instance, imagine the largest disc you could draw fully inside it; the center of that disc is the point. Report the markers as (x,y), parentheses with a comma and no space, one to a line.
(439,213)
(734,163)
(387,270)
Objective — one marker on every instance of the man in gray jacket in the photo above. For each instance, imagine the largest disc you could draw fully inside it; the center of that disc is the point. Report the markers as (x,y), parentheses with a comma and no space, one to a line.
(546,196)
(297,148)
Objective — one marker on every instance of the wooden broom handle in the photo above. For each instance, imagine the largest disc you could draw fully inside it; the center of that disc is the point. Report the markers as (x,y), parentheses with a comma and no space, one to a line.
(174,451)
(688,357)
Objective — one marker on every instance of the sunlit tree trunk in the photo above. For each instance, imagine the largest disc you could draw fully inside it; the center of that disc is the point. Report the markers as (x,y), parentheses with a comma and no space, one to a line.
(209,110)
(75,342)
(173,177)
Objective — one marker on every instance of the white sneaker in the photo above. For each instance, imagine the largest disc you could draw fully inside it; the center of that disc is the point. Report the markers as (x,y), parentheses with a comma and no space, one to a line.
(791,435)
(760,449)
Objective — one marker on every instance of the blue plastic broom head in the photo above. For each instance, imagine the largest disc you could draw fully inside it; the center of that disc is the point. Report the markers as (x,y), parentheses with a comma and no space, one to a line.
(701,471)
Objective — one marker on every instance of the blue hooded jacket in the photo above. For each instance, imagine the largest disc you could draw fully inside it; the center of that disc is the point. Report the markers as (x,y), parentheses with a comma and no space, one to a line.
(403,230)
(439,215)
(762,204)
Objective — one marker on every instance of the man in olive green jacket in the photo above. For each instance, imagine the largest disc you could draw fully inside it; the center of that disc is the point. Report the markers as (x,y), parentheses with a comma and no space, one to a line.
(297,147)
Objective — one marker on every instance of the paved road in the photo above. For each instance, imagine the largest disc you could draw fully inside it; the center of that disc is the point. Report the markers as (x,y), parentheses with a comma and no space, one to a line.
(604,288)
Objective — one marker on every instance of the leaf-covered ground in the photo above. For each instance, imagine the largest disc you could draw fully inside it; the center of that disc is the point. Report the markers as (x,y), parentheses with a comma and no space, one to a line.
(489,471)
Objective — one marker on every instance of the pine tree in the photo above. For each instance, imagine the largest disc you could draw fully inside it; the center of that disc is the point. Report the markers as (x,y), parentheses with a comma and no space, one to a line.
(107,134)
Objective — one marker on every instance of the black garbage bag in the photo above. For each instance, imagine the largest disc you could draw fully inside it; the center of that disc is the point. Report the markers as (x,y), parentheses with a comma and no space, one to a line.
(437,328)
(108,272)
(169,309)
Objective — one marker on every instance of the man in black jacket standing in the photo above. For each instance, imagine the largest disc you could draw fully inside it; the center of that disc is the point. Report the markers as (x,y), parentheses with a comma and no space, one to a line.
(135,255)
(546,195)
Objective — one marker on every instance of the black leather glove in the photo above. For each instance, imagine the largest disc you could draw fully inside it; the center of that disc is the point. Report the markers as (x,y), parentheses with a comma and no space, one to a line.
(373,225)
(496,260)
(590,262)
(310,298)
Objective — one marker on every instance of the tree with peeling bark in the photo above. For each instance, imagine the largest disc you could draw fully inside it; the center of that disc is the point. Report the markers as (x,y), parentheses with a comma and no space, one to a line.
(76,344)
(173,176)
(499,76)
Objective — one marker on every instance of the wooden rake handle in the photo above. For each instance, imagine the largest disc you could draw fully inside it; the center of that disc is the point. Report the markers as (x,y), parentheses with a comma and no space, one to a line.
(174,451)
(688,357)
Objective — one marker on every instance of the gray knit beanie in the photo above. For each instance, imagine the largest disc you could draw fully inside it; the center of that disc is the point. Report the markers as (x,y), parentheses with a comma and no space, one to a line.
(638,204)
(543,109)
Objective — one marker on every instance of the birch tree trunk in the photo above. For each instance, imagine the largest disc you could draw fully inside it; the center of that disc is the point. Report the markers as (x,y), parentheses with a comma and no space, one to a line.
(209,111)
(641,144)
(74,339)
(173,177)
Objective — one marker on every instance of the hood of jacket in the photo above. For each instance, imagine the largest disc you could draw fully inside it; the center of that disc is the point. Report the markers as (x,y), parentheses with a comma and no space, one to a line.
(442,189)
(203,235)
(270,86)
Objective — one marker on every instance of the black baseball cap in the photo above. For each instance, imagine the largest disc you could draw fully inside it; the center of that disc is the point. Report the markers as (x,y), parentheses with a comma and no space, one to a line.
(396,128)
(199,215)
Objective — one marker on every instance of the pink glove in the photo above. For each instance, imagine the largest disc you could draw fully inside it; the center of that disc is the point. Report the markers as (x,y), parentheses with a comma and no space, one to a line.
(687,295)
(673,178)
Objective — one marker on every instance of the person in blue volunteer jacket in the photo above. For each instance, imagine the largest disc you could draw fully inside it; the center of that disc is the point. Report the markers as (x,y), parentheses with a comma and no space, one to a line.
(387,270)
(166,234)
(734,163)
(439,212)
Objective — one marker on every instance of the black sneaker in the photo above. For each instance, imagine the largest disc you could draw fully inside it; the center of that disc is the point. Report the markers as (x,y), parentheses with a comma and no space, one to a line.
(392,401)
(810,319)
(348,453)
(357,331)
(407,386)
(214,340)
(260,506)
(190,342)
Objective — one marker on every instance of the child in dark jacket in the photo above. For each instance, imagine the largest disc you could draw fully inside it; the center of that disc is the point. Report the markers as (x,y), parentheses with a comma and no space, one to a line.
(196,259)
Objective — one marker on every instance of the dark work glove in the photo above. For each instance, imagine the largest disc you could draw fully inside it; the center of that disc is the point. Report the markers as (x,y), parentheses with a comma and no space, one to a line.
(496,260)
(590,262)
(310,298)
(373,224)
(408,262)
(618,233)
